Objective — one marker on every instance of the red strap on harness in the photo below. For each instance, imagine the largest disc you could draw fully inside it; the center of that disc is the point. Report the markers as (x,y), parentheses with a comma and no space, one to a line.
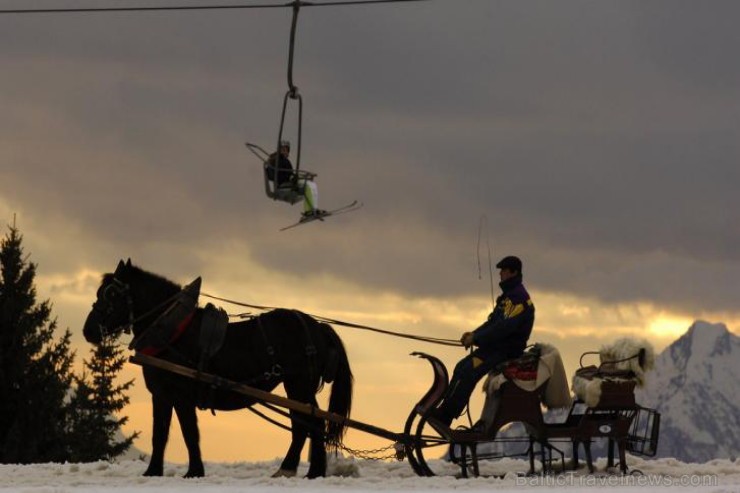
(154,350)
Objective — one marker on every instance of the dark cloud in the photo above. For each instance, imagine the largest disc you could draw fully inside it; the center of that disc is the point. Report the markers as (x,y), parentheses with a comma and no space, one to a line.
(691,43)
(600,140)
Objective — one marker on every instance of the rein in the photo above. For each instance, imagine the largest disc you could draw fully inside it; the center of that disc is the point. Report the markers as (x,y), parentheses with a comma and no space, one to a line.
(125,288)
(403,335)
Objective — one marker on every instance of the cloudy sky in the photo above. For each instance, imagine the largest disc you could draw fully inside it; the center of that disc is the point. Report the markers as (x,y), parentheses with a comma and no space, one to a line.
(599,140)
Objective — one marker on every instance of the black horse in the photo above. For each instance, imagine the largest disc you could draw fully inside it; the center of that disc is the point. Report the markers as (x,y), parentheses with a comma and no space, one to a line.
(282,346)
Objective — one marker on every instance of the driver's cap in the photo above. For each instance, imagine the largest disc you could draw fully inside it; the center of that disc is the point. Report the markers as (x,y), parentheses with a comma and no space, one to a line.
(511,262)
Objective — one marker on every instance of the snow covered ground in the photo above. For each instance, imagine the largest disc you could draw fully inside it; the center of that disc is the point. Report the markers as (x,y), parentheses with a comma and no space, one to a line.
(718,476)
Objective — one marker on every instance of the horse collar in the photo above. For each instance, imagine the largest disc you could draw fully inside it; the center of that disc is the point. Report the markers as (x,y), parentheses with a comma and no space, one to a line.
(153,350)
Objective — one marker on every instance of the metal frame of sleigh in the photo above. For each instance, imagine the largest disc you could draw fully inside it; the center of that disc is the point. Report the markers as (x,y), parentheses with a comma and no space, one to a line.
(604,408)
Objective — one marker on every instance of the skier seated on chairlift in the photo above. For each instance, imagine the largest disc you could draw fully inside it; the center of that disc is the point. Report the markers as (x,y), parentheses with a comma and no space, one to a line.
(286,178)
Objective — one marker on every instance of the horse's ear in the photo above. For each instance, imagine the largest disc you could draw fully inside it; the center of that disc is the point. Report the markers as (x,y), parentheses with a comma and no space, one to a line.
(120,267)
(128,262)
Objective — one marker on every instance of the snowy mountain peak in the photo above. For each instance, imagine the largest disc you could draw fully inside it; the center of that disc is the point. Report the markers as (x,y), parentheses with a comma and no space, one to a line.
(701,343)
(696,387)
(709,339)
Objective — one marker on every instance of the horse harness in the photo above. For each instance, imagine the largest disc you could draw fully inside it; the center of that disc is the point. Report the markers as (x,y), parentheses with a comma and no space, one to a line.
(176,318)
(171,323)
(276,370)
(178,315)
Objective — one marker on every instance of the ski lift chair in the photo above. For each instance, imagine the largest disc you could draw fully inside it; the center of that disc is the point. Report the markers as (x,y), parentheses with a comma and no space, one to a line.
(289,191)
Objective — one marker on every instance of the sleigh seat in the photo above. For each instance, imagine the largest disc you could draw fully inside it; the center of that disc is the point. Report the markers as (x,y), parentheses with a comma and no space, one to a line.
(607,391)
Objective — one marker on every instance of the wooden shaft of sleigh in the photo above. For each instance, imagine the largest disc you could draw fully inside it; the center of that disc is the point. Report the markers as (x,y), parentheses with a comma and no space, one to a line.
(263,396)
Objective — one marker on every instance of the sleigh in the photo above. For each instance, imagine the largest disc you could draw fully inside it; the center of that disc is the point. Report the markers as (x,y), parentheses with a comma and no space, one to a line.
(516,394)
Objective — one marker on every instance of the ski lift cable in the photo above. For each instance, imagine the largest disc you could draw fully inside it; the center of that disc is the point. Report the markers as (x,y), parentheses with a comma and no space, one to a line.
(292,90)
(291,50)
(292,95)
(293,4)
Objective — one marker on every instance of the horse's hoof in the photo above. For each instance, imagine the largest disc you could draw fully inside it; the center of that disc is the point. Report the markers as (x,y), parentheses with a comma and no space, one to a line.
(284,473)
(154,470)
(197,472)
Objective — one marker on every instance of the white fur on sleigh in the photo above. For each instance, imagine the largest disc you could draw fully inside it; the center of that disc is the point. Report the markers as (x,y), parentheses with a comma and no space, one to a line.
(616,356)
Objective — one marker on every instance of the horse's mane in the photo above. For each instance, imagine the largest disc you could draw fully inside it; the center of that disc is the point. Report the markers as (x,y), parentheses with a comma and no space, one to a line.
(137,273)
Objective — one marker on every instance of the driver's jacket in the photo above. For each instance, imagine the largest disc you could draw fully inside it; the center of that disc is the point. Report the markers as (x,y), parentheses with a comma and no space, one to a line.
(509,325)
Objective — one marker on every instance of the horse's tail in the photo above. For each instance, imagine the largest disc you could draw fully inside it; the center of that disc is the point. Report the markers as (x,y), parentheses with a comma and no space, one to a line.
(340,400)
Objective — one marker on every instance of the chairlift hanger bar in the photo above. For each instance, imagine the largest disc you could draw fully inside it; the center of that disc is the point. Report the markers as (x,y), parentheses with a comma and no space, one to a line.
(294,4)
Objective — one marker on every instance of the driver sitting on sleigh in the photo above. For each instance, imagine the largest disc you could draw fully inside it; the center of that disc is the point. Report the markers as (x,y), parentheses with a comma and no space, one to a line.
(500,338)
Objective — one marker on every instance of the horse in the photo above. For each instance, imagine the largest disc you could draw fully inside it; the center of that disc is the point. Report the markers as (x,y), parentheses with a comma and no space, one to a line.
(281,346)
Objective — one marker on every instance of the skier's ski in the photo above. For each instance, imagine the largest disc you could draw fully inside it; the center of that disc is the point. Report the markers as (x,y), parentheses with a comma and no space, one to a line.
(320,216)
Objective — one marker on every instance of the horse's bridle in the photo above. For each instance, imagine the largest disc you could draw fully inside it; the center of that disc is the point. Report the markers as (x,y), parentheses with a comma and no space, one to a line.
(104,305)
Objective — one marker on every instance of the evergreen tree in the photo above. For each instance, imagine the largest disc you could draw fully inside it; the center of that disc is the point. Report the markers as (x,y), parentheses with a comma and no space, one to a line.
(35,369)
(94,427)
